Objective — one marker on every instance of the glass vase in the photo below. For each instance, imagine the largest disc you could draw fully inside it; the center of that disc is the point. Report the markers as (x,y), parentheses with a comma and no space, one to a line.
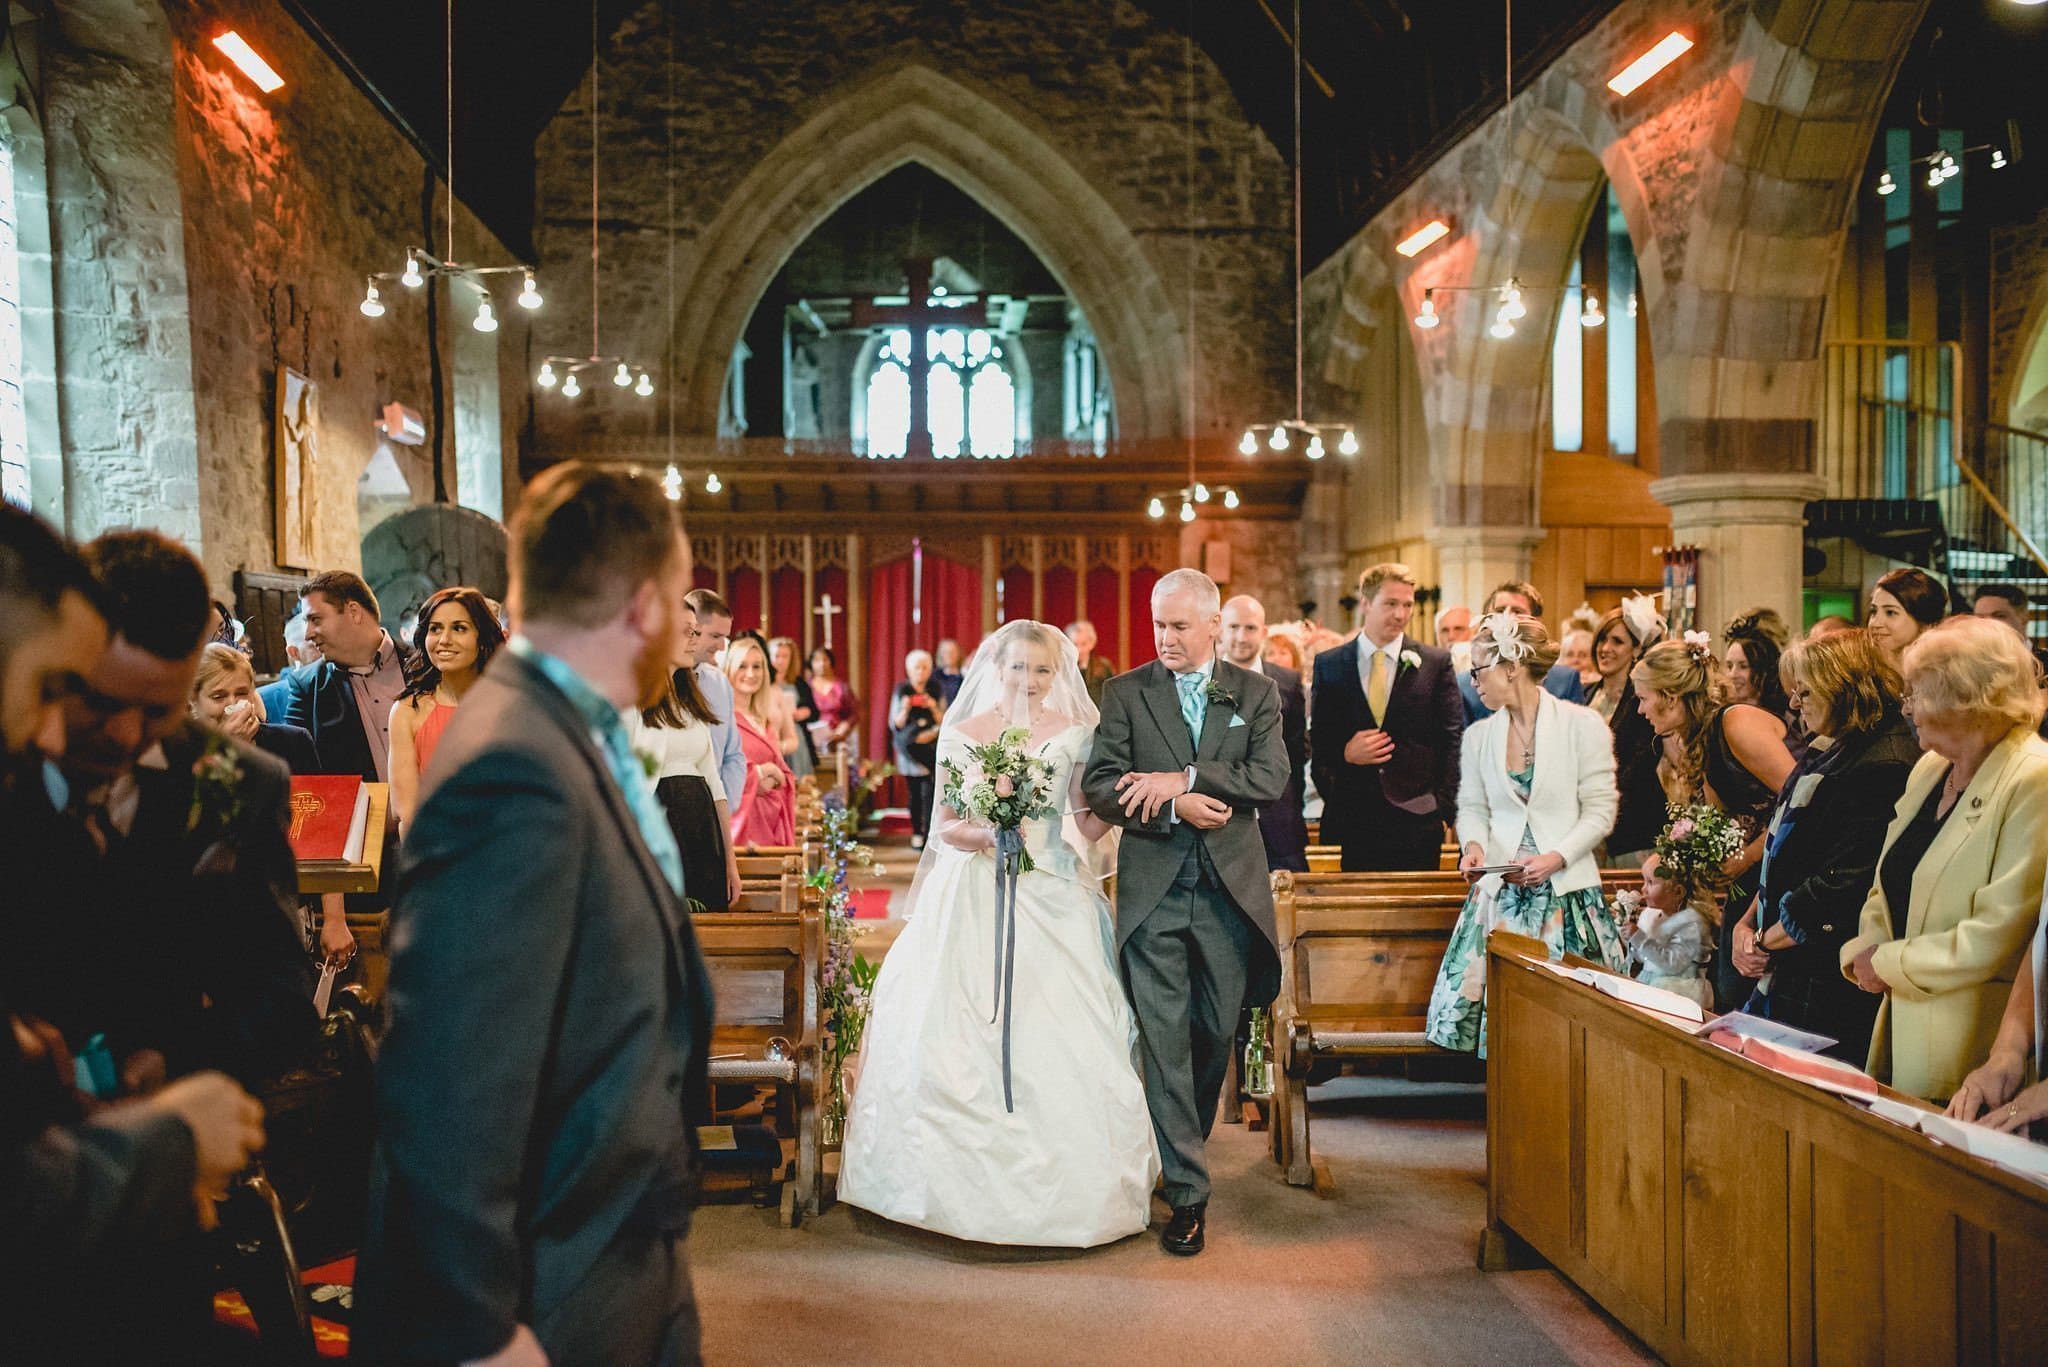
(1258,1059)
(832,1116)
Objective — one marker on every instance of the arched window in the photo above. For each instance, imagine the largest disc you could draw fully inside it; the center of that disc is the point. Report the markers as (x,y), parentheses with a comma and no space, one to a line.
(1599,356)
(970,396)
(14,482)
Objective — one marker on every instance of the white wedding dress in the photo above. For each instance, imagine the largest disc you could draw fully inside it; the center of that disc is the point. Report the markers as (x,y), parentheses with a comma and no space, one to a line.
(928,1142)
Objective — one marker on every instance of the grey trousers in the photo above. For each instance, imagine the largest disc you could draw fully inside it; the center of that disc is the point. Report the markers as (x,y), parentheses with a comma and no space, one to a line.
(635,1308)
(1185,969)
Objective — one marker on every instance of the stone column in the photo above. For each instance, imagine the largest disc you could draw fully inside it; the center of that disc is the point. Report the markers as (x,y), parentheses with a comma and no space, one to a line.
(1750,527)
(1472,560)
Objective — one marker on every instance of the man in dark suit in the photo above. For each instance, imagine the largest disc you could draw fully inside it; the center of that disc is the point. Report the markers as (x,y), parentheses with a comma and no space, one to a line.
(1384,732)
(1562,681)
(1281,824)
(540,1081)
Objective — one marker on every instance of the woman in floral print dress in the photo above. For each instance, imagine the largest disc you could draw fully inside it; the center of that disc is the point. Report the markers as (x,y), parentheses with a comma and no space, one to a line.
(1536,797)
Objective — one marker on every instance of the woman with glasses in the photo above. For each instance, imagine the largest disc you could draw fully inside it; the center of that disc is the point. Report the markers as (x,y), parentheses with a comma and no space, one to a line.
(1821,846)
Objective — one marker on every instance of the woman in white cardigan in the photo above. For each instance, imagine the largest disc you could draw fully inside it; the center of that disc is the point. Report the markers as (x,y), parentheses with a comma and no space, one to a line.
(1536,797)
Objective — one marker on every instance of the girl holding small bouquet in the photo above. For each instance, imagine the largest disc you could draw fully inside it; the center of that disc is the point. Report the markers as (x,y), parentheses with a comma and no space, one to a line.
(1670,937)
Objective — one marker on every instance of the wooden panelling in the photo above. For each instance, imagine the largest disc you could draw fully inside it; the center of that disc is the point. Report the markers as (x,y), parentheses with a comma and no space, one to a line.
(1729,1215)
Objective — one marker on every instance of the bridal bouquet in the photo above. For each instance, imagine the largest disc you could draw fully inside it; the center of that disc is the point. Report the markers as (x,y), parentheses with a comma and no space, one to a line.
(1003,784)
(1696,844)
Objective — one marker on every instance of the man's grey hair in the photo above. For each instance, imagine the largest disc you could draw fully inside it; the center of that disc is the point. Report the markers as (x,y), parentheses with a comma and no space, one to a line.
(1442,613)
(295,630)
(1208,598)
(914,656)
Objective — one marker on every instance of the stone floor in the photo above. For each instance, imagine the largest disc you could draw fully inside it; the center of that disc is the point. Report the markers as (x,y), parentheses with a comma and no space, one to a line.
(1383,1271)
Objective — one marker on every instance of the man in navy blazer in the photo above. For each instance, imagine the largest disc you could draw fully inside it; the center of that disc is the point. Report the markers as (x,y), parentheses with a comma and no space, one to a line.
(1385,723)
(1562,681)
(344,700)
(1281,824)
(539,1086)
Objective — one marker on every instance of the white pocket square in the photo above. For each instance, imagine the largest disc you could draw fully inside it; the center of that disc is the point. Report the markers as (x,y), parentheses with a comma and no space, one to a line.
(1236,720)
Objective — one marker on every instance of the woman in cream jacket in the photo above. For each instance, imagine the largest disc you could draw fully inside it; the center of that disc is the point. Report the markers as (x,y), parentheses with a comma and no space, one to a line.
(1535,792)
(1958,887)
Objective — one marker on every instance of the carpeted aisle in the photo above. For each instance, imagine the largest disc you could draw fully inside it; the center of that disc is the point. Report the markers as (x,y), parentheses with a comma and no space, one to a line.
(1382,1273)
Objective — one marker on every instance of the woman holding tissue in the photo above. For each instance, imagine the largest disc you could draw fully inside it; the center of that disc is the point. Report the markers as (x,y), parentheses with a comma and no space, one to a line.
(1535,798)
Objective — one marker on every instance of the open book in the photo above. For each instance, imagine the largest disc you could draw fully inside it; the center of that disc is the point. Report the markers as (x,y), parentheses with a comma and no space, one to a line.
(2014,1153)
(1642,996)
(1828,1074)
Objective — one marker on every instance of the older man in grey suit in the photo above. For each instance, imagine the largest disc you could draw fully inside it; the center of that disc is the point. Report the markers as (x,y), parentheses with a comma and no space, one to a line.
(549,1009)
(1188,750)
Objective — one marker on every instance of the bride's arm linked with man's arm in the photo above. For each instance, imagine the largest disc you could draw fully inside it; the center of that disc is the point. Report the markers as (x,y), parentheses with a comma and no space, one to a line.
(1147,803)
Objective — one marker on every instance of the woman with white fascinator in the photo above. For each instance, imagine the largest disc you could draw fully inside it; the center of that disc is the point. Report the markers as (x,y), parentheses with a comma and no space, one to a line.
(1535,798)
(998,1097)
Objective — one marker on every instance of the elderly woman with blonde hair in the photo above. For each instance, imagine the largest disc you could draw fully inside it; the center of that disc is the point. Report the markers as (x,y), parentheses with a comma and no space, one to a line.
(1958,886)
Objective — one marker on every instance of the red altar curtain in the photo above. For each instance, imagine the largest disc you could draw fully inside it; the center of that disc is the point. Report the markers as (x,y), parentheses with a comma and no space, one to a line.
(952,607)
(743,596)
(1059,597)
(1103,609)
(704,575)
(1013,596)
(786,605)
(1142,579)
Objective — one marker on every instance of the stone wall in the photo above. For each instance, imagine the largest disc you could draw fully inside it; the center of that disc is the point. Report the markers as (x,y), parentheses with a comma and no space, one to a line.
(2019,314)
(1021,93)
(205,235)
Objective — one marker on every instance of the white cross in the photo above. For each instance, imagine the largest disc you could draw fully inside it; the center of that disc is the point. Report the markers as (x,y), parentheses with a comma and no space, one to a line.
(827,609)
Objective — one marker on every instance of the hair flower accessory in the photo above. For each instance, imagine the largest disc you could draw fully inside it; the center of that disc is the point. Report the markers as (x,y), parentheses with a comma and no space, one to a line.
(1698,644)
(1644,622)
(1503,631)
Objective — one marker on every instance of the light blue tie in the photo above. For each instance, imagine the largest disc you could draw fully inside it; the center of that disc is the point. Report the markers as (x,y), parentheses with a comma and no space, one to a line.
(1192,703)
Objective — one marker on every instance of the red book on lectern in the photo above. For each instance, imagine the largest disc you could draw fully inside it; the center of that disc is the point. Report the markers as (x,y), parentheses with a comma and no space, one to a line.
(329,812)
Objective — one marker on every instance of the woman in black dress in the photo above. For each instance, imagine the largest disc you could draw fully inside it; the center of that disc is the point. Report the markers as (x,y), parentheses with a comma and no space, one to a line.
(1618,642)
(1822,843)
(914,713)
(1728,755)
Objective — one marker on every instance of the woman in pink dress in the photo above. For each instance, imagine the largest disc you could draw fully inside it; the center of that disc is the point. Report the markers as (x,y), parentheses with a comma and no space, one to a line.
(764,812)
(456,637)
(837,707)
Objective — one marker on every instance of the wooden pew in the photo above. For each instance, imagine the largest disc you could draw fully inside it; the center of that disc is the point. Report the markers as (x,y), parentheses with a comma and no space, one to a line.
(779,875)
(1359,955)
(765,971)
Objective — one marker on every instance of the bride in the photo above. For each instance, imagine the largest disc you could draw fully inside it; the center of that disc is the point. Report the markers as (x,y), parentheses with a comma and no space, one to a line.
(1071,1161)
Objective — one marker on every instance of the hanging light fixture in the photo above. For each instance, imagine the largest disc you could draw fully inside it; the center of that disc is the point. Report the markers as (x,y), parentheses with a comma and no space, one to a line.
(1425,317)
(624,372)
(1156,509)
(672,484)
(1885,184)
(1187,512)
(1590,315)
(1431,232)
(547,379)
(711,483)
(421,264)
(1230,498)
(571,387)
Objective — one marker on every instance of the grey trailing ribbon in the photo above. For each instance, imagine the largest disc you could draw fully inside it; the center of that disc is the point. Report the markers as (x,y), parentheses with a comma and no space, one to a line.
(1010,860)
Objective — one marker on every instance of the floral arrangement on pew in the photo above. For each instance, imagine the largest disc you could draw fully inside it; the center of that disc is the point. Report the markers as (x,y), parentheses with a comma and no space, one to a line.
(847,979)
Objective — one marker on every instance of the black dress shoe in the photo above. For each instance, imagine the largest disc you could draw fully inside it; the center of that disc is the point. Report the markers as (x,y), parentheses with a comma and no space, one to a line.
(1183,1233)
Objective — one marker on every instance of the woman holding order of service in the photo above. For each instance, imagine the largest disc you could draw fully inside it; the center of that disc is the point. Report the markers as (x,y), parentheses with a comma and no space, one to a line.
(1958,886)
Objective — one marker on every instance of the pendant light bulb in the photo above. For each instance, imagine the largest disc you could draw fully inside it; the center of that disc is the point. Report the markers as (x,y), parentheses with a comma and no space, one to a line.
(622,376)
(1249,445)
(1230,499)
(711,482)
(571,387)
(1155,509)
(1187,511)
(486,320)
(1885,184)
(547,379)
(529,294)
(372,306)
(1502,328)
(1315,447)
(644,386)
(1347,445)
(1591,316)
(1426,316)
(1934,177)
(412,279)
(1201,492)
(1998,161)
(1278,441)
(672,484)
(1511,306)
(1633,306)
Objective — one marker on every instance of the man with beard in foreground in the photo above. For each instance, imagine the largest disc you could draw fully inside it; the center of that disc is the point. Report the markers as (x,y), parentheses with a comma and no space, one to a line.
(549,1009)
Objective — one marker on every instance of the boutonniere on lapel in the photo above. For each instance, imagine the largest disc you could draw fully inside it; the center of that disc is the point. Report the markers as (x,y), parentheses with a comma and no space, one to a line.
(649,762)
(1409,660)
(216,804)
(1217,694)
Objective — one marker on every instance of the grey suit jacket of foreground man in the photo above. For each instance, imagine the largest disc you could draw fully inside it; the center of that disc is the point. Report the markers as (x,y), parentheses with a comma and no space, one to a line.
(546,1054)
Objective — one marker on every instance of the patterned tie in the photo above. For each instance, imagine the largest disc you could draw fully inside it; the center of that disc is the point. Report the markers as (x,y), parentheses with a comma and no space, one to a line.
(1376,685)
(1192,705)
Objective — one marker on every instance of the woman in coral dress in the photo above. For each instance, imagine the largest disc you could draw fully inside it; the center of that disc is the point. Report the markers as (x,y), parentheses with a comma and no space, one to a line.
(764,813)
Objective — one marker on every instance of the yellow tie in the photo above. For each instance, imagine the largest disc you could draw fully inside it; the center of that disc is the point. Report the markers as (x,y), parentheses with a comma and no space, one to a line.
(1376,685)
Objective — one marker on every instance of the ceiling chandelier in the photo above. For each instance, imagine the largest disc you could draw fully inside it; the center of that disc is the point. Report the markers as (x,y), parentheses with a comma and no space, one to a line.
(422,265)
(1194,491)
(672,478)
(1944,166)
(1281,435)
(563,370)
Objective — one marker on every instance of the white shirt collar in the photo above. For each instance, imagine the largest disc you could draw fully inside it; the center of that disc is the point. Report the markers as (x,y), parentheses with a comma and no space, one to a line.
(1392,649)
(1205,673)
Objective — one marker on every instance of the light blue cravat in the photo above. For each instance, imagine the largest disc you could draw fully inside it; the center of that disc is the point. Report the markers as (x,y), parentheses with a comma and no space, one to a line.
(608,728)
(1192,704)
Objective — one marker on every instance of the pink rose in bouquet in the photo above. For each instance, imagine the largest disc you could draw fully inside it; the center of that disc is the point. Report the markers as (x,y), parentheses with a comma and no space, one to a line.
(1004,787)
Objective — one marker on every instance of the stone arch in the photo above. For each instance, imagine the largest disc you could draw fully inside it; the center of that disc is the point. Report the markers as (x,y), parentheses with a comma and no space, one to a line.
(995,154)
(2026,405)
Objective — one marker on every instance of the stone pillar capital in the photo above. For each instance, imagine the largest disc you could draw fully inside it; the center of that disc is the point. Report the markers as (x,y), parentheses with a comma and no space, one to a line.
(1485,540)
(1733,497)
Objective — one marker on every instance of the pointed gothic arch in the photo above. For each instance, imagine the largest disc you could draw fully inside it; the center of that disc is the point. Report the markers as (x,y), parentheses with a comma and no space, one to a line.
(989,150)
